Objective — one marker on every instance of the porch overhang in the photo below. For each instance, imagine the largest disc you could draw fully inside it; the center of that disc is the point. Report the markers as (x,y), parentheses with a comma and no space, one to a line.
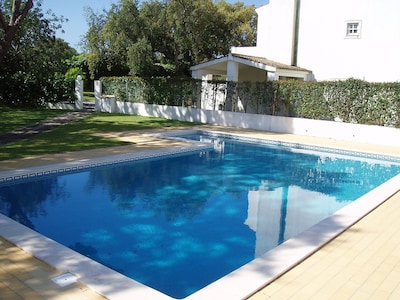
(239,63)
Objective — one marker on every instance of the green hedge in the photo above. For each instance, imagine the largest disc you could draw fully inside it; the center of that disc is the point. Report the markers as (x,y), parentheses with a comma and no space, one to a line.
(352,100)
(157,90)
(23,89)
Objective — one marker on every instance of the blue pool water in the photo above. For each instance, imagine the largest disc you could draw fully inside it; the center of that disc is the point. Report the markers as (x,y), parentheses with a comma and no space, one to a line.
(179,223)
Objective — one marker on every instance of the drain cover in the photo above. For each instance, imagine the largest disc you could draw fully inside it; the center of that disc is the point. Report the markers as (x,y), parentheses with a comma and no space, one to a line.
(65,279)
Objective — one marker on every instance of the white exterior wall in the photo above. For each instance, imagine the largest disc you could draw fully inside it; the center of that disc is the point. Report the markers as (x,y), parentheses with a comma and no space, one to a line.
(323,46)
(275,30)
(327,129)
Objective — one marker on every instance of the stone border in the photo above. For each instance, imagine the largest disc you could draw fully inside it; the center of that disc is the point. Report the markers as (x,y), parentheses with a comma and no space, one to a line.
(178,135)
(80,165)
(239,284)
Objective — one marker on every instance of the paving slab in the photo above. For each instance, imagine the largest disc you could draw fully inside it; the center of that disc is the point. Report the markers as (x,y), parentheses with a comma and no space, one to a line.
(361,263)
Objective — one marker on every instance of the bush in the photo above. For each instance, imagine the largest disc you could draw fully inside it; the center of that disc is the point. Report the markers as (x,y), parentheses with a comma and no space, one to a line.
(352,100)
(26,90)
(156,90)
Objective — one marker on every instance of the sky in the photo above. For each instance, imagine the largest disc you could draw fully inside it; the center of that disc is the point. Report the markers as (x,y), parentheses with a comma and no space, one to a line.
(73,10)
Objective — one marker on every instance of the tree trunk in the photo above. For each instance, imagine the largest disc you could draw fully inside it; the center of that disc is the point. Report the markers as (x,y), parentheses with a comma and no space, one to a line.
(10,28)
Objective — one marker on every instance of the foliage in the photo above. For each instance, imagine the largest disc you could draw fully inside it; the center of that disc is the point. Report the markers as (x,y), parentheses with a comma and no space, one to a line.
(88,96)
(172,91)
(149,38)
(9,27)
(72,74)
(32,73)
(140,58)
(81,135)
(77,65)
(241,23)
(257,97)
(361,102)
(352,100)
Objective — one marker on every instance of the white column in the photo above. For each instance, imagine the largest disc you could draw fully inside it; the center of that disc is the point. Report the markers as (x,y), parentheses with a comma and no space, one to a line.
(79,92)
(97,89)
(232,69)
(97,95)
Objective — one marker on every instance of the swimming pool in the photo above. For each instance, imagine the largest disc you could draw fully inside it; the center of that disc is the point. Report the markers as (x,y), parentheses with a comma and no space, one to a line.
(253,190)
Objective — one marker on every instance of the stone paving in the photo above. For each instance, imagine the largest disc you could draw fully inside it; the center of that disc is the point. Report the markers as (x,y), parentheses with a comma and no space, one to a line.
(361,263)
(23,276)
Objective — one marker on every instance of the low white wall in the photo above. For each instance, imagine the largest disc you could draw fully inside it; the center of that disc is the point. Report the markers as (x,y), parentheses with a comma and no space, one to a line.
(105,104)
(316,128)
(61,105)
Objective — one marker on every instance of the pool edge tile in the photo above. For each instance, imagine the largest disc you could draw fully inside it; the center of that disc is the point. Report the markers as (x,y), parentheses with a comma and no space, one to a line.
(233,286)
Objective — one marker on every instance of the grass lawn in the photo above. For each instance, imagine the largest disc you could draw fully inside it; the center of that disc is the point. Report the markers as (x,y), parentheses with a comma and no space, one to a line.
(79,135)
(15,118)
(88,96)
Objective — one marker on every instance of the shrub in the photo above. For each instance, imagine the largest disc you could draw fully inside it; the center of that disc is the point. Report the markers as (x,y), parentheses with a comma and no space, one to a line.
(352,100)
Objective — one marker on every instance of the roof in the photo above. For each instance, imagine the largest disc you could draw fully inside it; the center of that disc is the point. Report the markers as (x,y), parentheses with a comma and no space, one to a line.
(269,62)
(254,61)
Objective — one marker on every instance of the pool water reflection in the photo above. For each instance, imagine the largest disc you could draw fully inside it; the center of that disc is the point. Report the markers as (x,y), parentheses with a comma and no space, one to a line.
(180,223)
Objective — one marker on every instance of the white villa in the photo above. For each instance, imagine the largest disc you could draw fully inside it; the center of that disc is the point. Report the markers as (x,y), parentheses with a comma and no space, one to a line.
(317,40)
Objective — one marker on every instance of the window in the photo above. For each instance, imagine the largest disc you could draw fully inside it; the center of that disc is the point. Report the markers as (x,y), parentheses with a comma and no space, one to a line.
(353,29)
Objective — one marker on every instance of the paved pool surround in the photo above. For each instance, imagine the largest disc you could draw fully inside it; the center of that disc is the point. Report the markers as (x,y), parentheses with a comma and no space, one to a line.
(239,284)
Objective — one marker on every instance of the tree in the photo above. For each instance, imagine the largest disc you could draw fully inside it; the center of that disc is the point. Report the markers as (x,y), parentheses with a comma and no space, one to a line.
(154,27)
(94,43)
(160,36)
(240,23)
(193,26)
(140,57)
(109,38)
(32,72)
(8,29)
(78,65)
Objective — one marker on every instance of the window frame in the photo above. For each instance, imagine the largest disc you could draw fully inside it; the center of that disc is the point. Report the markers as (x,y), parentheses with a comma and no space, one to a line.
(352,25)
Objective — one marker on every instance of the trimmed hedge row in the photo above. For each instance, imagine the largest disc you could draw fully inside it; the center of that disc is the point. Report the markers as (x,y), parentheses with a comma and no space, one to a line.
(27,90)
(157,90)
(352,100)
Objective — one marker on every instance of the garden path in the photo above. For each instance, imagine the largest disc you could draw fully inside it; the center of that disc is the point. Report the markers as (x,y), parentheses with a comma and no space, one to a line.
(40,127)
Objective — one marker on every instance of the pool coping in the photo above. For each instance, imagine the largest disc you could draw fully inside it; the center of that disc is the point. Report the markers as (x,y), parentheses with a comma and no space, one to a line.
(239,284)
(83,164)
